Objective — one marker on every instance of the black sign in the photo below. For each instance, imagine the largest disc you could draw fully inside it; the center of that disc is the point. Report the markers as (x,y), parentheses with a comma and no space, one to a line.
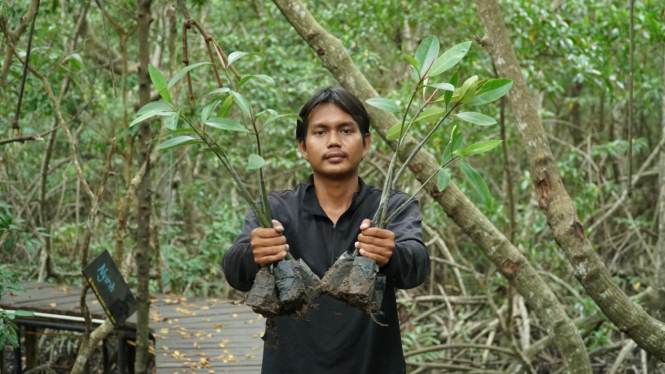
(111,290)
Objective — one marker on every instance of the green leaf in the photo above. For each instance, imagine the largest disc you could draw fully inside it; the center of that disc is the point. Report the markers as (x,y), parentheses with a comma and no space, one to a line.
(477,182)
(171,122)
(478,148)
(443,179)
(233,57)
(225,108)
(460,93)
(76,61)
(448,95)
(449,59)
(470,94)
(492,90)
(393,132)
(209,149)
(283,116)
(159,82)
(180,141)
(411,61)
(24,313)
(174,132)
(181,73)
(147,115)
(476,118)
(155,106)
(426,54)
(255,162)
(261,77)
(216,91)
(12,338)
(455,143)
(208,108)
(226,124)
(266,112)
(383,103)
(442,86)
(8,245)
(416,74)
(430,115)
(243,104)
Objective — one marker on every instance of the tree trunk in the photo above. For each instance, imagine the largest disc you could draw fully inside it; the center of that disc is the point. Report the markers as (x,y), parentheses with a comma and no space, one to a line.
(654,297)
(143,197)
(458,207)
(553,198)
(86,349)
(660,248)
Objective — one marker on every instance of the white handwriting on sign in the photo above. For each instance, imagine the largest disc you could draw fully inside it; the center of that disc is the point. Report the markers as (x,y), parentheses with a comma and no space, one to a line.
(104,278)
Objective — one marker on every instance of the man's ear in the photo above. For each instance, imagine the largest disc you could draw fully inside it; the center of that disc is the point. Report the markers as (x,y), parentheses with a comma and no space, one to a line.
(367,141)
(303,149)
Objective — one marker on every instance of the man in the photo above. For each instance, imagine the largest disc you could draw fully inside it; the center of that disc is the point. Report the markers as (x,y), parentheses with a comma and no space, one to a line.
(319,220)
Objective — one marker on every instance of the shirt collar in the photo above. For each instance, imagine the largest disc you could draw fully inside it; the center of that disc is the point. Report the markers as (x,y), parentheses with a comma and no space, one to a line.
(310,202)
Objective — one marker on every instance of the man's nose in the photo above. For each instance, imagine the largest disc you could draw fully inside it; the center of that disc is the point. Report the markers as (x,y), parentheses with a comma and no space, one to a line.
(333,140)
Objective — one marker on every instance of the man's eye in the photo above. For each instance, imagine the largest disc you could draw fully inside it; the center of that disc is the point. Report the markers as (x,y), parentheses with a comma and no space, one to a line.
(346,131)
(319,132)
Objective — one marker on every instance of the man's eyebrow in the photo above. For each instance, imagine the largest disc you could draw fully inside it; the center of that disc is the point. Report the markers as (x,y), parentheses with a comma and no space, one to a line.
(325,125)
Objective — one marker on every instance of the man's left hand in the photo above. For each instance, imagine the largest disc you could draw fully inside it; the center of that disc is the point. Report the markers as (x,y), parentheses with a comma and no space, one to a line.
(375,243)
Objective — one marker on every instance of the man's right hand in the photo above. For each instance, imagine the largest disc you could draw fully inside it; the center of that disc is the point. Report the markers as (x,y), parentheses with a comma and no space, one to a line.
(269,245)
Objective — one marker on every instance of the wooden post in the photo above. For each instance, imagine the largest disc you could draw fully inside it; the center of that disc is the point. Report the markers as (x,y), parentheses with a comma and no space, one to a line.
(122,353)
(2,360)
(31,350)
(18,369)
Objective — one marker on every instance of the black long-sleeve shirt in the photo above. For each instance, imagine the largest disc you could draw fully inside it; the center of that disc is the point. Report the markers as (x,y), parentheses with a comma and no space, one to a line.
(335,338)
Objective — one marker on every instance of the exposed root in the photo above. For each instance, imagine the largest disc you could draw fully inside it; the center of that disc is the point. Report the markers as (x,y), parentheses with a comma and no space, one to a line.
(291,290)
(355,281)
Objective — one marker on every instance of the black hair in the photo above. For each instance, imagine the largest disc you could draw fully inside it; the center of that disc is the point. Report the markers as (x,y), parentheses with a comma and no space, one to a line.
(340,97)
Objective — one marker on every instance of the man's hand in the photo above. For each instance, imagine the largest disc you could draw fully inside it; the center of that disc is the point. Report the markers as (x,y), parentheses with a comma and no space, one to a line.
(269,245)
(377,244)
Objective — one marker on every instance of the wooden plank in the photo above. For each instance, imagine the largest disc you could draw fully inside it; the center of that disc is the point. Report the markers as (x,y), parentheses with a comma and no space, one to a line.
(210,329)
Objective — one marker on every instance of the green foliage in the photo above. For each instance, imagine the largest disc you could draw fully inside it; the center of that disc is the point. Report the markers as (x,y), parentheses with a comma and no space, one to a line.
(426,55)
(420,336)
(10,282)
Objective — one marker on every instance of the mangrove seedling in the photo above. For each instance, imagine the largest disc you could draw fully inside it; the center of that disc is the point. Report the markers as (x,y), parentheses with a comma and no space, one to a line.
(356,279)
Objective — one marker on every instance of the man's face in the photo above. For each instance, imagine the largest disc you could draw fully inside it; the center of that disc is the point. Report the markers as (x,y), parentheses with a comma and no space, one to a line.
(333,143)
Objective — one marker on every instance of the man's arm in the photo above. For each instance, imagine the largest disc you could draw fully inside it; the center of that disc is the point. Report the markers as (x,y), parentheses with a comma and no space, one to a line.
(238,262)
(254,247)
(409,264)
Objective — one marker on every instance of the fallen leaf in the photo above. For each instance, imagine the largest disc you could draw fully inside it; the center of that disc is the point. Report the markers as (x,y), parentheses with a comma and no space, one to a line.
(163,330)
(185,311)
(53,305)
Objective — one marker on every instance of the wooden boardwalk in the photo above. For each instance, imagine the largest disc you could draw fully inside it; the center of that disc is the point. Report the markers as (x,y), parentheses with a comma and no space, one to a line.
(192,335)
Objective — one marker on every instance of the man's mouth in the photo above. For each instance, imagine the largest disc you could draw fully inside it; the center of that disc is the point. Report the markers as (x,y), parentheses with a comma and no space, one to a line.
(335,156)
